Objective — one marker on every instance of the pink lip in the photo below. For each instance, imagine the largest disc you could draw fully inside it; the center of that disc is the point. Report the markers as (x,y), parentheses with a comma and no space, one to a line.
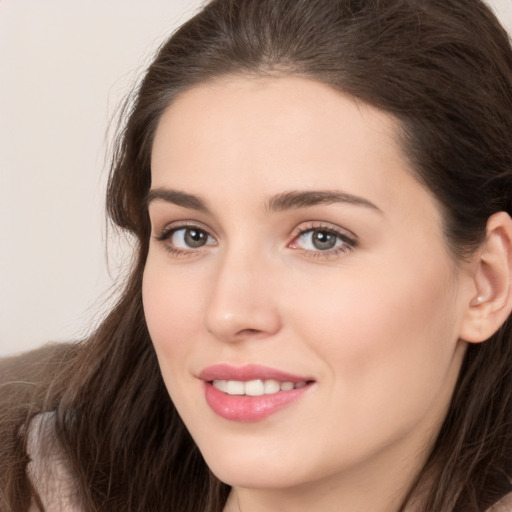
(248,372)
(244,408)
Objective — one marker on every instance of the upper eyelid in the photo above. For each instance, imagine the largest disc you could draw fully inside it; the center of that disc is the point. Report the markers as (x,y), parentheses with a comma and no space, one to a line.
(173,226)
(164,237)
(327,226)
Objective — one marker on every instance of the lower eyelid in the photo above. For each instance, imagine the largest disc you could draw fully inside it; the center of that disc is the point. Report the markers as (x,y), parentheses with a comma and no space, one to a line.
(336,251)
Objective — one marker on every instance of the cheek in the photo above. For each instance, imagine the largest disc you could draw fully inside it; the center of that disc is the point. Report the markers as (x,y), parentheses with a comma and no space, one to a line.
(362,311)
(388,336)
(172,311)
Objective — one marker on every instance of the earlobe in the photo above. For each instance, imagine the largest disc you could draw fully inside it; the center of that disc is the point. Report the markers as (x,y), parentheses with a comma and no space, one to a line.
(491,304)
(477,301)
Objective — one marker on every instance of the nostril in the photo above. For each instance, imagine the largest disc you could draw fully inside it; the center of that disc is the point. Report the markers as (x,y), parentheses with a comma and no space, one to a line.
(248,332)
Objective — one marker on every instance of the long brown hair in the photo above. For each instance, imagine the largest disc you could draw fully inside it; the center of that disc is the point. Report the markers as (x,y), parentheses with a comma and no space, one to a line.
(443,68)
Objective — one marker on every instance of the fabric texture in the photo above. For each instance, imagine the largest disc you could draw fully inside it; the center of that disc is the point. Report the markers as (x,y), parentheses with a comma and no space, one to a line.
(504,505)
(47,469)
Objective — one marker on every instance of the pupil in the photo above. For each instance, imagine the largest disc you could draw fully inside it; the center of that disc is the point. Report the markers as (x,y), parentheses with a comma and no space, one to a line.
(323,240)
(195,238)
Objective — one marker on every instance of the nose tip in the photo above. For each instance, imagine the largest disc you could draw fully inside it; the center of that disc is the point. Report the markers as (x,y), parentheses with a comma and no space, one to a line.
(239,324)
(241,306)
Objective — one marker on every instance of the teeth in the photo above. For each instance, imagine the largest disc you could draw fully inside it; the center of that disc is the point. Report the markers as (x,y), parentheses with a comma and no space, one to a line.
(271,386)
(221,384)
(255,387)
(235,387)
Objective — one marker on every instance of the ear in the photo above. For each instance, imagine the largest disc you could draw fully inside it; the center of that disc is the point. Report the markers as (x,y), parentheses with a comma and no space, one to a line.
(491,301)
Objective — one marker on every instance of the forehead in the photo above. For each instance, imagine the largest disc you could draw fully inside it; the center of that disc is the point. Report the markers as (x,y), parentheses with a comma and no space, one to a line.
(261,136)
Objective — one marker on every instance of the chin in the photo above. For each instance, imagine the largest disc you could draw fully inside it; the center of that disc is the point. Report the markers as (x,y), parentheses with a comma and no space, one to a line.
(253,468)
(260,477)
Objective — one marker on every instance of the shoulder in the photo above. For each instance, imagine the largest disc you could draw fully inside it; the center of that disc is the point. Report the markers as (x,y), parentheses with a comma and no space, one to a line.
(47,470)
(504,505)
(34,360)
(25,377)
(25,383)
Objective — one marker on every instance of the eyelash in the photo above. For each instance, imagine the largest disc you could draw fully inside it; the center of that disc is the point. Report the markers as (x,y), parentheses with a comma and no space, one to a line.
(165,235)
(349,242)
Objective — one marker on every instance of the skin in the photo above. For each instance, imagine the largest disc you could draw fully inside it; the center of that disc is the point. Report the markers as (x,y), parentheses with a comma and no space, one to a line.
(377,324)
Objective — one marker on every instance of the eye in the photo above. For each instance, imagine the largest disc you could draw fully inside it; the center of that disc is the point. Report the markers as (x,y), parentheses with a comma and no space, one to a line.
(319,240)
(185,239)
(189,238)
(323,241)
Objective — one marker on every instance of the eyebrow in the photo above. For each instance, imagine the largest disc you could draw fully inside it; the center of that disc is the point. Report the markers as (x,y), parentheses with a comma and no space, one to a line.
(303,199)
(178,198)
(280,202)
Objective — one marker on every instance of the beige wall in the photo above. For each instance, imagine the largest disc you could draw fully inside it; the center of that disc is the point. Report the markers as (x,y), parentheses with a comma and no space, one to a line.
(64,66)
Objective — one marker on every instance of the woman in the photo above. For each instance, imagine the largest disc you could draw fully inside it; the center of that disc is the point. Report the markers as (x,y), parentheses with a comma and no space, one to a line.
(319,192)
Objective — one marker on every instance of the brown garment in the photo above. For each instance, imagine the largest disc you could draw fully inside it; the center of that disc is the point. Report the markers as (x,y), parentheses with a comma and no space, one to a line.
(504,505)
(24,381)
(47,469)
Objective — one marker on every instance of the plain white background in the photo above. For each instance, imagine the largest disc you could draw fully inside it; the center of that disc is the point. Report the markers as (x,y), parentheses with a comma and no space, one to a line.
(64,69)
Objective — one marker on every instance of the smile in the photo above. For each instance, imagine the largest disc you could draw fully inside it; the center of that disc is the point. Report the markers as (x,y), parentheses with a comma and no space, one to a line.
(256,387)
(251,393)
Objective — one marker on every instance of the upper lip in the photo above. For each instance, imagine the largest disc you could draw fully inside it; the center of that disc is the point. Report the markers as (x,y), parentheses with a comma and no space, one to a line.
(248,372)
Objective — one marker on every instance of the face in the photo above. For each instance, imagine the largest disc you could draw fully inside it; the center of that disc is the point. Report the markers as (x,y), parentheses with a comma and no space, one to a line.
(300,296)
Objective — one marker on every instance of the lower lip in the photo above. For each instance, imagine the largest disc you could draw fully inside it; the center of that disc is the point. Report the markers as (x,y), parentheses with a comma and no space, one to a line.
(246,408)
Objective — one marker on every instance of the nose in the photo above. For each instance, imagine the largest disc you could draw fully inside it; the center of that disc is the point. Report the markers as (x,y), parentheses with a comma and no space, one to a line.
(243,300)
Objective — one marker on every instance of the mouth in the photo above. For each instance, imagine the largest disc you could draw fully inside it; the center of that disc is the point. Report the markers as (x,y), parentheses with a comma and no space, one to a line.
(251,393)
(255,387)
